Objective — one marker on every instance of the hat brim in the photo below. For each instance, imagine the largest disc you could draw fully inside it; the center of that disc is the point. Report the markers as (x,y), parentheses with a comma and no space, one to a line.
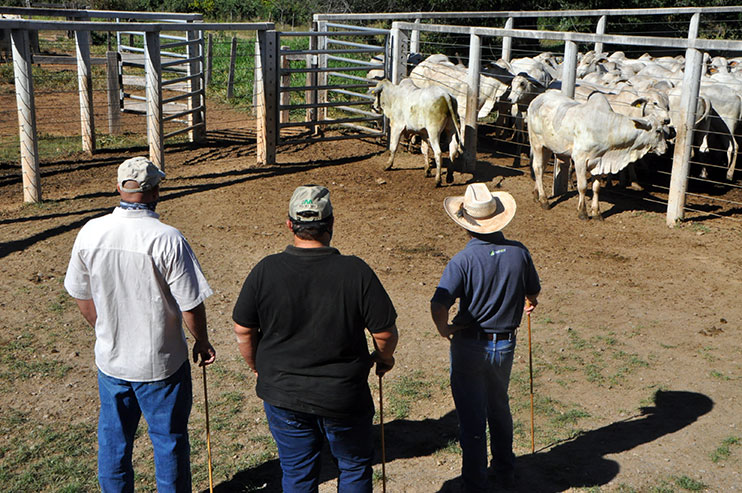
(504,214)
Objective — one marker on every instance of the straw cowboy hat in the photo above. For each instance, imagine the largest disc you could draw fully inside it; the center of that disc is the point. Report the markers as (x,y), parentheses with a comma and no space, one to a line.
(479,210)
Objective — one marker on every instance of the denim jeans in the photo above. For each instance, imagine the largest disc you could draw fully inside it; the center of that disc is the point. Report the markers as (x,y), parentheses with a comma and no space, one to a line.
(300,436)
(166,405)
(480,374)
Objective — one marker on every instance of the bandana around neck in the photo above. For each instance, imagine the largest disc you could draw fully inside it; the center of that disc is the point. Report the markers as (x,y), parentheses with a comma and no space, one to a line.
(137,205)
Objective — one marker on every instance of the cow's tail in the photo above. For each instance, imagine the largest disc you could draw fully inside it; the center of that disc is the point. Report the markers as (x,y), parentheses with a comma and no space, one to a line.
(454,118)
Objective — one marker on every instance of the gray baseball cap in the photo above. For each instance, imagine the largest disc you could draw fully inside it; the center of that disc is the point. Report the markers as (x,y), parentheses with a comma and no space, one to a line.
(310,203)
(141,170)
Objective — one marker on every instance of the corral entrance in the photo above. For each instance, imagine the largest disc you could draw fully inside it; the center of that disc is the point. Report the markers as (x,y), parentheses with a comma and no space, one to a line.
(325,85)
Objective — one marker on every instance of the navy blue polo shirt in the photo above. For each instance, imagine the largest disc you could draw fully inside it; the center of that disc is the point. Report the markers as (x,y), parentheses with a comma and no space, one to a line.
(491,278)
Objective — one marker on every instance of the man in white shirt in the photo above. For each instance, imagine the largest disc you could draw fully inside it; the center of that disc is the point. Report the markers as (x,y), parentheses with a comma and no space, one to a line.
(135,281)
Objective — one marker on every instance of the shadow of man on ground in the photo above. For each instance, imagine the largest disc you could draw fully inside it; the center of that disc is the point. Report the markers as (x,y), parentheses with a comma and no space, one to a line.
(581,462)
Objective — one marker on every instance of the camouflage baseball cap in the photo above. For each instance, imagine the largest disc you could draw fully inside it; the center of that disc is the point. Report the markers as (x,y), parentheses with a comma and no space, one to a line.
(310,203)
(141,170)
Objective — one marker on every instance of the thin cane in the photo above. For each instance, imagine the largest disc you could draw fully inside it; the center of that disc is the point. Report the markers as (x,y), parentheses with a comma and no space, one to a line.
(383,450)
(530,371)
(208,433)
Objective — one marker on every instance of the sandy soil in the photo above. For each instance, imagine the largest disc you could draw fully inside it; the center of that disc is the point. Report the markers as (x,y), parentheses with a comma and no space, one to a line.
(630,309)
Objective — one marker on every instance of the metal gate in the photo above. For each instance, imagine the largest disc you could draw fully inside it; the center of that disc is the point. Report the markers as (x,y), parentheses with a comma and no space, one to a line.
(182,67)
(334,90)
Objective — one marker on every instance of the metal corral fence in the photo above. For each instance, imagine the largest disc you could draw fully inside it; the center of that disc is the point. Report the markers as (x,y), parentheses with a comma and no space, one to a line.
(480,48)
(155,69)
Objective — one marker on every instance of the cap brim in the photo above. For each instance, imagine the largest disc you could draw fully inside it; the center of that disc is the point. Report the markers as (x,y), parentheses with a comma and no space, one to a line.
(505,213)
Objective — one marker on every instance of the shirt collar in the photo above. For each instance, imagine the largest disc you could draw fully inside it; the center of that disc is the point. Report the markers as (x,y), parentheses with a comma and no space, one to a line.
(311,252)
(134,213)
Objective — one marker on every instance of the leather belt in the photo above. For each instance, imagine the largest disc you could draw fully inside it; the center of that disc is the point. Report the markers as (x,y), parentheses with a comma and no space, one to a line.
(488,336)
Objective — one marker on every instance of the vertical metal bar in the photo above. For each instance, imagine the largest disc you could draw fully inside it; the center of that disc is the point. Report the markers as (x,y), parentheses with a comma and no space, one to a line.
(85,90)
(322,77)
(195,68)
(684,137)
(153,74)
(311,94)
(114,92)
(507,41)
(399,53)
(600,29)
(26,115)
(472,103)
(232,61)
(285,80)
(209,60)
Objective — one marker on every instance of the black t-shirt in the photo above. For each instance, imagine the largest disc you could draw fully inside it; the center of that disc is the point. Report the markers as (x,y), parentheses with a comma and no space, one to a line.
(312,306)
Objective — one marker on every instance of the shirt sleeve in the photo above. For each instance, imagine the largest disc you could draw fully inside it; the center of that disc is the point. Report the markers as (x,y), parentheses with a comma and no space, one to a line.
(451,285)
(378,310)
(185,278)
(245,312)
(77,278)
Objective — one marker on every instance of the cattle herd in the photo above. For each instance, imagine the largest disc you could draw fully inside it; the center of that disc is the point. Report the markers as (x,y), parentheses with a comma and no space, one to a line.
(623,109)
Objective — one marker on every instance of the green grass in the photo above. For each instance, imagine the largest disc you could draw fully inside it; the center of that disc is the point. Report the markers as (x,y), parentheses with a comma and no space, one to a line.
(404,391)
(689,484)
(724,451)
(24,357)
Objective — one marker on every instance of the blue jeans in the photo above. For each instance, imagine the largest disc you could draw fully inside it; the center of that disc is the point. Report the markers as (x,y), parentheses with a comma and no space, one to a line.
(166,405)
(299,437)
(480,374)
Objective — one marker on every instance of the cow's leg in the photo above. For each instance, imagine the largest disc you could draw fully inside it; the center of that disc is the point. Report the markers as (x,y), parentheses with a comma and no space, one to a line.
(581,172)
(425,150)
(436,146)
(540,156)
(453,153)
(595,206)
(394,135)
(733,161)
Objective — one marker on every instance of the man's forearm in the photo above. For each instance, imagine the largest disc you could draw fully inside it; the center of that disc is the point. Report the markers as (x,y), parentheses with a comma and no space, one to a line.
(385,342)
(87,308)
(195,321)
(247,342)
(440,318)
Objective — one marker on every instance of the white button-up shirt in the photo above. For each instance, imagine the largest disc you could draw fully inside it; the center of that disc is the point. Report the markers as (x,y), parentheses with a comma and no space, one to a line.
(140,274)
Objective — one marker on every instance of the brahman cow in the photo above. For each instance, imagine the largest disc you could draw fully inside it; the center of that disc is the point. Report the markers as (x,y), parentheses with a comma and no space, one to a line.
(428,112)
(436,70)
(598,140)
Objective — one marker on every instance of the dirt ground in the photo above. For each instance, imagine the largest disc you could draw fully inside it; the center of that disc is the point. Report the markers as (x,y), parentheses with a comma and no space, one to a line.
(635,343)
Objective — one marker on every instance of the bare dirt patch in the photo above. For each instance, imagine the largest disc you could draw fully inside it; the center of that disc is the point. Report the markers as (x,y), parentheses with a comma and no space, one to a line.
(630,310)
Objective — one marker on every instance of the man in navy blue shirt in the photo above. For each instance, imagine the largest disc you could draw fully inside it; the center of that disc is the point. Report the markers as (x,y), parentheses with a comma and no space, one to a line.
(495,282)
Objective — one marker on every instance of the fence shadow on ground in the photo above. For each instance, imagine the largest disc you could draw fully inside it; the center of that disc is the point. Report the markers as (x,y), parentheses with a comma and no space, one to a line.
(581,462)
(403,439)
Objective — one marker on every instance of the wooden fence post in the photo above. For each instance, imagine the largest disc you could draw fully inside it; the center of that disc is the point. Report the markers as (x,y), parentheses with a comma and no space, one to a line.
(507,41)
(114,92)
(600,29)
(266,64)
(684,137)
(322,78)
(153,75)
(472,104)
(197,101)
(85,90)
(26,115)
(232,61)
(560,180)
(415,38)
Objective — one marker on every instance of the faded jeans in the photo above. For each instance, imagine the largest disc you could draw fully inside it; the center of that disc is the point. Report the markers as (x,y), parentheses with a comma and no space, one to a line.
(300,436)
(480,374)
(166,406)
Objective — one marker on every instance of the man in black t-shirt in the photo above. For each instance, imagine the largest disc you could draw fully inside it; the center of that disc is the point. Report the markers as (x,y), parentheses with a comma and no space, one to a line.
(300,322)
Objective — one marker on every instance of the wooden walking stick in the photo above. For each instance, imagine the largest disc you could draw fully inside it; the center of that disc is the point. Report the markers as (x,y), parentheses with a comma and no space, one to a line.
(208,433)
(383,450)
(530,371)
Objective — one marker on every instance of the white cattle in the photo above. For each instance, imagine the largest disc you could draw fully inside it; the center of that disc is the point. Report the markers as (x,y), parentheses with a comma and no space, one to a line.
(596,138)
(724,93)
(436,70)
(428,112)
